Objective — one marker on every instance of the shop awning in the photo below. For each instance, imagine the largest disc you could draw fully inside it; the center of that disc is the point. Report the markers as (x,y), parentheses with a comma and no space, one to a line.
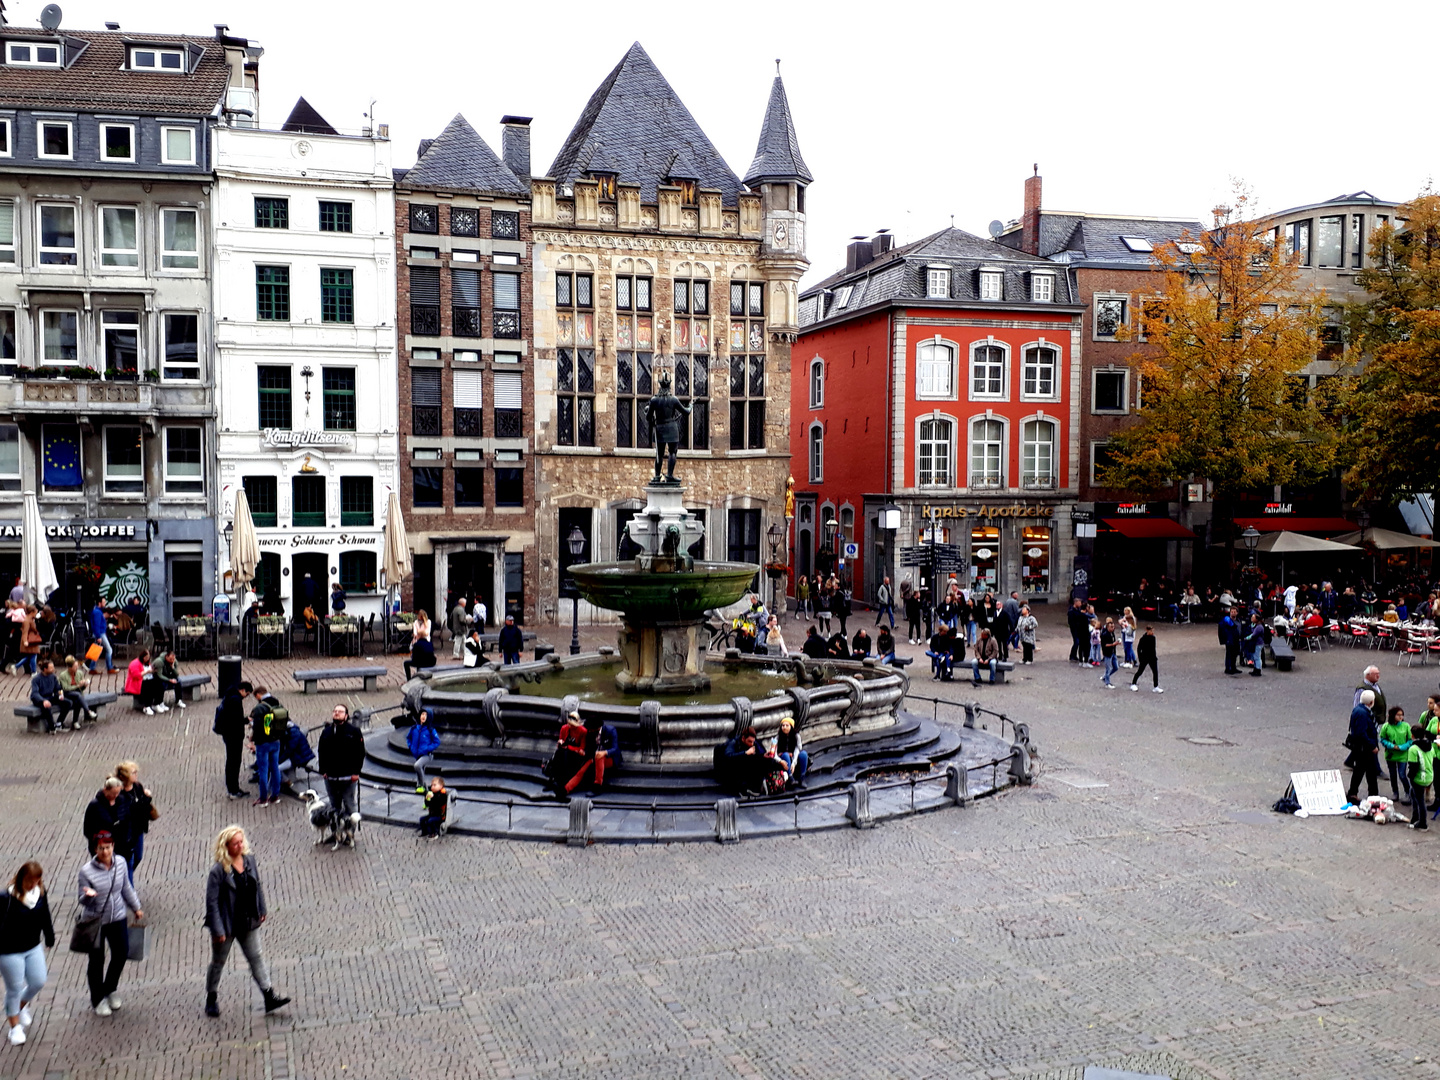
(1295,524)
(1149,528)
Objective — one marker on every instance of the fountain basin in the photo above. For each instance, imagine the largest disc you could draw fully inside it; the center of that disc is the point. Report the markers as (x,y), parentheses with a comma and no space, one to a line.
(671,597)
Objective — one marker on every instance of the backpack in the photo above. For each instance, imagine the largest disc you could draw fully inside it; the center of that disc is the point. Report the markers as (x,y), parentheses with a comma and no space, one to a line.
(1220,631)
(1287,803)
(219,715)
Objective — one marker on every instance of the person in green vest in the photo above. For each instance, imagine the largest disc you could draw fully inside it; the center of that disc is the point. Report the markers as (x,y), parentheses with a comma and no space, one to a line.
(1395,740)
(1422,773)
(1430,721)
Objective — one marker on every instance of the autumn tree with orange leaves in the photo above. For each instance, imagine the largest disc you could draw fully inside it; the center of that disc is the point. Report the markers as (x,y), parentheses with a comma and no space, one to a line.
(1221,398)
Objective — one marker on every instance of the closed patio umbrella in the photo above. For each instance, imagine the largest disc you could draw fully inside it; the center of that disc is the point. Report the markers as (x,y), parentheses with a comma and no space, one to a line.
(37,568)
(244,545)
(398,563)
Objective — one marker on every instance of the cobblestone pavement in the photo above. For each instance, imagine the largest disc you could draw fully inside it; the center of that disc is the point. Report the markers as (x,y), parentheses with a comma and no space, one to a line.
(1139,907)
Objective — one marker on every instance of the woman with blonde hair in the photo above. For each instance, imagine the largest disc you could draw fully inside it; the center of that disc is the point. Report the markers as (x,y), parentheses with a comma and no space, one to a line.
(1129,627)
(234,910)
(24,920)
(140,811)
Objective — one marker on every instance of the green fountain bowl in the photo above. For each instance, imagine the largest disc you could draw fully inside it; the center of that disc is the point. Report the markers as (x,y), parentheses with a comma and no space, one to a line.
(649,597)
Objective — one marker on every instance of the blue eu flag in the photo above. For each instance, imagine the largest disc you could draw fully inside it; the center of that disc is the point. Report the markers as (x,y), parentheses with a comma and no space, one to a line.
(60,453)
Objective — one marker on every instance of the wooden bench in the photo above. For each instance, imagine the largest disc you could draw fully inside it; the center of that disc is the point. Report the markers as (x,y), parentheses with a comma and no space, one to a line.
(35,725)
(1281,653)
(313,677)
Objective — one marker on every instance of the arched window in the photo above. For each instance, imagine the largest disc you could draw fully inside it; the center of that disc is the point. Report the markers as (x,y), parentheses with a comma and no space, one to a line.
(936,448)
(987,370)
(934,370)
(817,453)
(817,383)
(987,453)
(1037,454)
(1038,374)
(847,525)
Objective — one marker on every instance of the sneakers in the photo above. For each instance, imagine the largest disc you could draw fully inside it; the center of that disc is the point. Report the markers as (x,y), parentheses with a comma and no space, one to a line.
(26,1016)
(1109,686)
(1157,689)
(261,802)
(148,711)
(182,704)
(17,1033)
(103,1009)
(114,1002)
(239,793)
(162,707)
(1133,687)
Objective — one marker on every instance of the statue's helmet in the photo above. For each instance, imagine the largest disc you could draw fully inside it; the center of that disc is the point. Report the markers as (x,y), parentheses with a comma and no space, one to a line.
(665,382)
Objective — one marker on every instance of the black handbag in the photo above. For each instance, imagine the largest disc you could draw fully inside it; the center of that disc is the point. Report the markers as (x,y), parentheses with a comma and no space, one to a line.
(85,938)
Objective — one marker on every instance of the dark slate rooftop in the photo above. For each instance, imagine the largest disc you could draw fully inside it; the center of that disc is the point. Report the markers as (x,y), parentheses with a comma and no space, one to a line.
(460,160)
(777,157)
(636,124)
(97,77)
(304,118)
(900,275)
(1093,239)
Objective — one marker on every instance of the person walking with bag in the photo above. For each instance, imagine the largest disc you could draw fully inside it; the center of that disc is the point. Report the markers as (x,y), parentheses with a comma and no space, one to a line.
(105,896)
(234,911)
(24,919)
(140,811)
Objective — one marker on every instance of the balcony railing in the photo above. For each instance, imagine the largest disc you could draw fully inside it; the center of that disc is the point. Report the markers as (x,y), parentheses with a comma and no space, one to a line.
(1038,481)
(986,480)
(425,320)
(425,419)
(466,322)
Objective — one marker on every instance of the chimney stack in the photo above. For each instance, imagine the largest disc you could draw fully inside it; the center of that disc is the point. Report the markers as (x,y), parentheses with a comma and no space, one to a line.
(881,242)
(858,254)
(1030,222)
(515,150)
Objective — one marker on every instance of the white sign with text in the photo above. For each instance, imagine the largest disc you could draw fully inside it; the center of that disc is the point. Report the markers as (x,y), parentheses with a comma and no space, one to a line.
(1319,792)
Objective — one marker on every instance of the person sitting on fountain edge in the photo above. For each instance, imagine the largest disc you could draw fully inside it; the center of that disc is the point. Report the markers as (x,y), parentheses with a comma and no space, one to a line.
(860,645)
(815,646)
(745,768)
(566,769)
(885,645)
(838,649)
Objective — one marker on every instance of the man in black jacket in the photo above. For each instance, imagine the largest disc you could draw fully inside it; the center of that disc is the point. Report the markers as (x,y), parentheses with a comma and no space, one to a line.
(511,641)
(1079,632)
(342,753)
(109,812)
(230,726)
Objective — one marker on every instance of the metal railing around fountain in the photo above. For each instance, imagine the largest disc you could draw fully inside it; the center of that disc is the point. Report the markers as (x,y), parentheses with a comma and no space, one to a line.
(973,710)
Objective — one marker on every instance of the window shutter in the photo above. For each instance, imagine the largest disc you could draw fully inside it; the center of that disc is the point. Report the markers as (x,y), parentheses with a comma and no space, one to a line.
(468,393)
(508,390)
(507,292)
(465,288)
(7,222)
(425,285)
(425,386)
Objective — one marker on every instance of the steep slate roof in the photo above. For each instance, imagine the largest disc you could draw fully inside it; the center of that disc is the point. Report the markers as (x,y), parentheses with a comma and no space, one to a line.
(304,118)
(1096,240)
(639,121)
(97,80)
(460,160)
(777,157)
(900,275)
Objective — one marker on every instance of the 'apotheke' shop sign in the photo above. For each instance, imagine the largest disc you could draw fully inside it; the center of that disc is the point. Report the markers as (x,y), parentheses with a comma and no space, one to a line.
(985,510)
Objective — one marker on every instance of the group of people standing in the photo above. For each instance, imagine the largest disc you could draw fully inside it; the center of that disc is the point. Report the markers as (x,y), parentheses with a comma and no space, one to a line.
(822,600)
(1097,642)
(1409,749)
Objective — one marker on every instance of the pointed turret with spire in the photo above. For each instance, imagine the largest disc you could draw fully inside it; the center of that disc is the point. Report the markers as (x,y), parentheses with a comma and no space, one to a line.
(777,157)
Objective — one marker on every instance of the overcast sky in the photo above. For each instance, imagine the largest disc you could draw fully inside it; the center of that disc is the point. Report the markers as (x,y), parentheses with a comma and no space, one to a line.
(907,113)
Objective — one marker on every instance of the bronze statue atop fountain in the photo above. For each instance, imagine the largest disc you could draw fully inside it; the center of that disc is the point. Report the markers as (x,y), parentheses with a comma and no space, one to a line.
(664,412)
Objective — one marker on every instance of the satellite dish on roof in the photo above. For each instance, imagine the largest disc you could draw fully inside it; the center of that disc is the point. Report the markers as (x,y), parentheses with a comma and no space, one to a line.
(996,228)
(50,16)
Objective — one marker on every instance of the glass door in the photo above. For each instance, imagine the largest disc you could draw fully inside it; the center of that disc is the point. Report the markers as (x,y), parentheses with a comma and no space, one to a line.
(984,557)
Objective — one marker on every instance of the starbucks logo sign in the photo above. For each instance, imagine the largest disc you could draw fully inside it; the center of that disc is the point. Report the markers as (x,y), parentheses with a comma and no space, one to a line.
(124,581)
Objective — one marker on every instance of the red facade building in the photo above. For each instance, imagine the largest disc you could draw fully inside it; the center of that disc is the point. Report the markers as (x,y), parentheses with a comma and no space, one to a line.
(941,377)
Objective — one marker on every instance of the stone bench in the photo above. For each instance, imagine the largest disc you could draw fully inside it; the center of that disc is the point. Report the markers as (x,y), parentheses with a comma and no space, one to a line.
(1282,653)
(189,683)
(35,725)
(314,676)
(1002,667)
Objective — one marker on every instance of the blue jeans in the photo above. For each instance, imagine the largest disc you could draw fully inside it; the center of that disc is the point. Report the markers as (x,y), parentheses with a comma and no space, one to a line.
(939,663)
(885,609)
(136,855)
(24,974)
(1112,665)
(267,769)
(1130,650)
(27,663)
(801,765)
(975,670)
(107,654)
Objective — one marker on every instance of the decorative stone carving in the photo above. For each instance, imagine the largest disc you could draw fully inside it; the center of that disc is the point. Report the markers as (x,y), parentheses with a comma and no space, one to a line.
(801,697)
(649,219)
(689,219)
(490,704)
(50,391)
(730,222)
(727,825)
(1020,765)
(957,785)
(650,732)
(857,697)
(565,213)
(607,214)
(858,811)
(744,715)
(578,834)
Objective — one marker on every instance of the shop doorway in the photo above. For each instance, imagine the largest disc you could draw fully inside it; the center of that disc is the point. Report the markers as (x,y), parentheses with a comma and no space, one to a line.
(471,574)
(313,592)
(267,581)
(422,584)
(985,558)
(187,586)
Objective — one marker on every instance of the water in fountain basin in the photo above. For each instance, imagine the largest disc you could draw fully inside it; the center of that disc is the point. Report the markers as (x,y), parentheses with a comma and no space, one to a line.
(596,682)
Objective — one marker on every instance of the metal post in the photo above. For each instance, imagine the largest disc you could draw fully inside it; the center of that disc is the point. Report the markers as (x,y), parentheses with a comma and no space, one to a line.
(575,624)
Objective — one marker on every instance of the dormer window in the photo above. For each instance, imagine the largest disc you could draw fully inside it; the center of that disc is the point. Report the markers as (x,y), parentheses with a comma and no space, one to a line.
(687,191)
(937,283)
(38,54)
(842,295)
(992,285)
(606,182)
(1042,288)
(145,58)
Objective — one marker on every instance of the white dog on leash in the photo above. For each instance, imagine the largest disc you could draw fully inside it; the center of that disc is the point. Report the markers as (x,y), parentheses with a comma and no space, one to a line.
(329,825)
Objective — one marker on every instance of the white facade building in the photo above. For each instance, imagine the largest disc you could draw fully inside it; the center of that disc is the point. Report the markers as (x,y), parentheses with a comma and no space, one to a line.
(304,301)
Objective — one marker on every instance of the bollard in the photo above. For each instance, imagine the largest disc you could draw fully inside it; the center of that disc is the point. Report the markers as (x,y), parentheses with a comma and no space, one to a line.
(579,834)
(859,809)
(1022,736)
(727,825)
(970,707)
(957,785)
(1020,764)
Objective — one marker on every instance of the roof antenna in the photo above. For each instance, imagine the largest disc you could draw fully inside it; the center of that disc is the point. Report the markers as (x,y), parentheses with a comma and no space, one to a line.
(777,67)
(952,221)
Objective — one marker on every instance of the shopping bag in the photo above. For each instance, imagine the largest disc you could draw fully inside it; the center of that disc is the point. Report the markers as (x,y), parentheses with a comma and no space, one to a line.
(135,934)
(94,652)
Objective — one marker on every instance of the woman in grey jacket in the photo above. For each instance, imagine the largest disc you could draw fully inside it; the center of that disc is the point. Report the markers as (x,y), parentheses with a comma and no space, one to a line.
(105,890)
(234,910)
(1027,626)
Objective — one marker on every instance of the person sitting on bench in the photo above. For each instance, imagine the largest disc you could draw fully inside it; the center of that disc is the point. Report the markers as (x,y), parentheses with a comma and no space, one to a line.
(987,653)
(885,645)
(941,653)
(167,677)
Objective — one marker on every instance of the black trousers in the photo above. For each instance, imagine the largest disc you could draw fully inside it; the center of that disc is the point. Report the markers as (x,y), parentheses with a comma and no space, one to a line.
(1078,651)
(1232,654)
(117,937)
(1154,671)
(234,749)
(1027,650)
(1367,764)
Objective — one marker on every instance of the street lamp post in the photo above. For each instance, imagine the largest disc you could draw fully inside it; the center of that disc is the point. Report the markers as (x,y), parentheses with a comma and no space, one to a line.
(1363,518)
(228,532)
(832,530)
(890,523)
(576,542)
(776,534)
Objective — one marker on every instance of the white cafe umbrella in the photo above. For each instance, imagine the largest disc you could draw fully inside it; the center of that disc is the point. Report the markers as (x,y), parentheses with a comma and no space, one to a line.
(1386,540)
(37,569)
(1286,543)
(244,545)
(397,545)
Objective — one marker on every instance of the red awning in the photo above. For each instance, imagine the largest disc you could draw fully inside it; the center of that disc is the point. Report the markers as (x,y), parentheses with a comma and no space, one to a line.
(1278,522)
(1149,528)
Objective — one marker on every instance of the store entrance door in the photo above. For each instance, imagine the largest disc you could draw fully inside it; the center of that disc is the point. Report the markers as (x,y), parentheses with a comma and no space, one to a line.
(314,591)
(471,574)
(187,589)
(985,558)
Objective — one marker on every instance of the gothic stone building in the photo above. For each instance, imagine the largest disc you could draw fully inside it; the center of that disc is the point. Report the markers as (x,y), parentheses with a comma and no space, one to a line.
(651,256)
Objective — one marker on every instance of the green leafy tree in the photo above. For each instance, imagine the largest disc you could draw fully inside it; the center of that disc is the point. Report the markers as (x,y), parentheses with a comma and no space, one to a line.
(1221,395)
(1392,435)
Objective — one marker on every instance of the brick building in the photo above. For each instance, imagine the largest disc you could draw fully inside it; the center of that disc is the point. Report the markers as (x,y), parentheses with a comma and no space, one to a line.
(653,256)
(942,377)
(466,376)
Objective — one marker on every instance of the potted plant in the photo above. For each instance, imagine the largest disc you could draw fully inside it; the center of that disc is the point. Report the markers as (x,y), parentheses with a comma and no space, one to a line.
(776,570)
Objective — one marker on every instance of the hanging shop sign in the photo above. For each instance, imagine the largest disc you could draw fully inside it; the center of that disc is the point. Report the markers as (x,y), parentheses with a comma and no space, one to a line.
(986,510)
(285,439)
